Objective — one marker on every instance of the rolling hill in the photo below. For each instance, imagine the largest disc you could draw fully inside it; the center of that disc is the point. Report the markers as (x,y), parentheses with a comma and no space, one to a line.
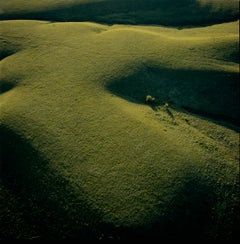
(84,155)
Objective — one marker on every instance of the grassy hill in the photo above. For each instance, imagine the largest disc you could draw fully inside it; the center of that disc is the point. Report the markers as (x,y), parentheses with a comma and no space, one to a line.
(162,12)
(84,156)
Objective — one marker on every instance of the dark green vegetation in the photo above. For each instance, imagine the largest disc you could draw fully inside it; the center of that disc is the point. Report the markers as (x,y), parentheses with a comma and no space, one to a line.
(84,156)
(162,12)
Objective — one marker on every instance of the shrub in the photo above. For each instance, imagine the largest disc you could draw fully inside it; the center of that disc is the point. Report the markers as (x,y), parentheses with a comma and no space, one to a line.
(150,99)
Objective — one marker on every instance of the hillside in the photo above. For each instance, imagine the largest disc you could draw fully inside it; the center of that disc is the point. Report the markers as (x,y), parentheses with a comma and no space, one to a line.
(84,156)
(158,12)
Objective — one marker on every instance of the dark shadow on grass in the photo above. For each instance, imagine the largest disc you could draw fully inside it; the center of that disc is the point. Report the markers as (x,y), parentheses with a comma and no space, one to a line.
(48,204)
(178,13)
(197,211)
(9,83)
(55,211)
(202,209)
(211,94)
(189,214)
(5,86)
(5,53)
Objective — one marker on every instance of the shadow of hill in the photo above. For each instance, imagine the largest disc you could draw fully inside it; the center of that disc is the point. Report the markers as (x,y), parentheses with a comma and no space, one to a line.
(197,211)
(175,13)
(212,94)
(50,207)
(188,218)
(54,211)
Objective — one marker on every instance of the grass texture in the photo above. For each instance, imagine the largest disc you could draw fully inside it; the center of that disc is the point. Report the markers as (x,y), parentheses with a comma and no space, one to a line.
(84,156)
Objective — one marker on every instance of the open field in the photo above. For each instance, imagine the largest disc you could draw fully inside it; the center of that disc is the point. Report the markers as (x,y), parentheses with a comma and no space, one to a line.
(83,155)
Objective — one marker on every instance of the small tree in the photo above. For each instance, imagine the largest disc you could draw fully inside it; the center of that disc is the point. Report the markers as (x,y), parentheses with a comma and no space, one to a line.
(150,99)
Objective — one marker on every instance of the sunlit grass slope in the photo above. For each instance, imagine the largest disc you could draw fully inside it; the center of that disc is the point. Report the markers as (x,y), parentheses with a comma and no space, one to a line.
(164,12)
(84,156)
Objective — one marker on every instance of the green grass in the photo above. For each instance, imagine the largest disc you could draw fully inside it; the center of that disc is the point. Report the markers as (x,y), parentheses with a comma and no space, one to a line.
(84,157)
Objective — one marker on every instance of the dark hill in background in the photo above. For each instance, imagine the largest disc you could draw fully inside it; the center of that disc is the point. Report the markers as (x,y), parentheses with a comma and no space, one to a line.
(156,12)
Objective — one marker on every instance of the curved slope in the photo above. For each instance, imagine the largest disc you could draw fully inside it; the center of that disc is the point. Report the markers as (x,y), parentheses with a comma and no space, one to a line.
(131,167)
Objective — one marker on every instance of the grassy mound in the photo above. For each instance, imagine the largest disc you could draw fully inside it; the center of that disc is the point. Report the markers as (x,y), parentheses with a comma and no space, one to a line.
(85,157)
(161,12)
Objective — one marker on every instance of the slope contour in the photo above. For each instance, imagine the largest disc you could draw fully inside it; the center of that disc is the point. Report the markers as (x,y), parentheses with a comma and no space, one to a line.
(81,145)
